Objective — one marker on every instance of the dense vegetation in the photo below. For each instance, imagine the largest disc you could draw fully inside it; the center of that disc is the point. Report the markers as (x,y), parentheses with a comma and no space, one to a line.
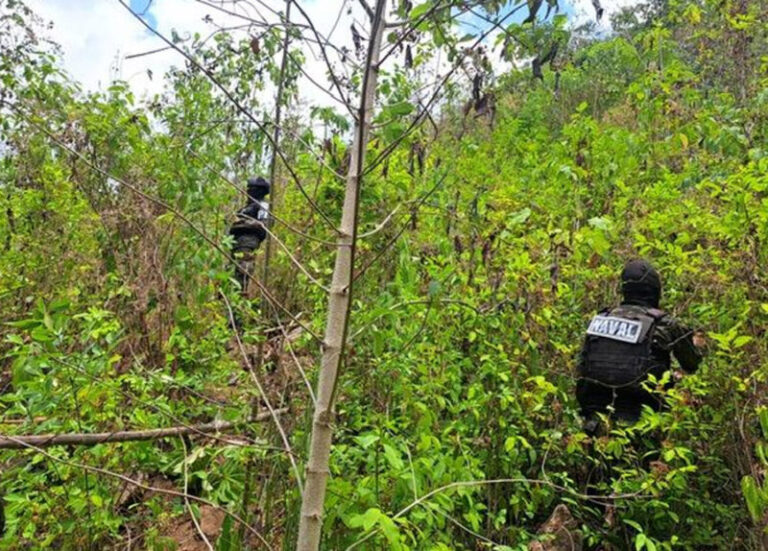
(469,303)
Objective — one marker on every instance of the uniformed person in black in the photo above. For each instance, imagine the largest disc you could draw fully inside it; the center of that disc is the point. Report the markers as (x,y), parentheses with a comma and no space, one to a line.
(249,231)
(626,343)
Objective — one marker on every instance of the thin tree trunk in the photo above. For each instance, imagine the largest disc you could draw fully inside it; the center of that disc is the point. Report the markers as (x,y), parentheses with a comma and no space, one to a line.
(11,442)
(311,521)
(259,360)
(276,136)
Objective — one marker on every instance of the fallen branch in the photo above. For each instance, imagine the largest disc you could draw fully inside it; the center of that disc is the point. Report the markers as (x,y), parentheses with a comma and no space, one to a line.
(145,487)
(23,421)
(92,439)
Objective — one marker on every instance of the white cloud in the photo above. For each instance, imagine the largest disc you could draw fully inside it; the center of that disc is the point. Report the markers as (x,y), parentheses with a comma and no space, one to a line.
(92,35)
(584,11)
(97,35)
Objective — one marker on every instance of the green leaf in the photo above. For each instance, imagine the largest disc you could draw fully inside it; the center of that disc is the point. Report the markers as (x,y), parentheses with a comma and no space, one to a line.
(226,540)
(393,457)
(390,531)
(401,108)
(751,492)
(367,520)
(741,341)
(365,440)
(41,334)
(601,223)
(763,416)
(421,9)
(24,324)
(15,339)
(519,217)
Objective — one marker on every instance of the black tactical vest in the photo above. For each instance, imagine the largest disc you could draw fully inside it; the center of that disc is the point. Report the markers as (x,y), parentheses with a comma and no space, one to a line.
(619,347)
(249,230)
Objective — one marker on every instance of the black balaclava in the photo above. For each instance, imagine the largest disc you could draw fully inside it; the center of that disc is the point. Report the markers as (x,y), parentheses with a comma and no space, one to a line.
(258,188)
(640,284)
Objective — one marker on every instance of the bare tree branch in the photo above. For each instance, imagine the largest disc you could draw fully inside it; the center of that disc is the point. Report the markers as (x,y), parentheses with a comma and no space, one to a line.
(238,106)
(328,64)
(287,342)
(383,223)
(406,33)
(165,413)
(319,40)
(339,301)
(367,8)
(421,115)
(94,439)
(283,21)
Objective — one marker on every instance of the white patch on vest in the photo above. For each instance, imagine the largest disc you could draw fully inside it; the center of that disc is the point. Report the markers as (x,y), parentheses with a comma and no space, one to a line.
(263,213)
(618,329)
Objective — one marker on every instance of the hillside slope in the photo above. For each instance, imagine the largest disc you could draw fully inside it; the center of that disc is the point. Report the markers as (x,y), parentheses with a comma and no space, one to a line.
(487,243)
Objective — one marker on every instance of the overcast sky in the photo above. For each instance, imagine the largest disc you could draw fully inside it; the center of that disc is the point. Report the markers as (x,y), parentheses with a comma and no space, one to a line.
(97,35)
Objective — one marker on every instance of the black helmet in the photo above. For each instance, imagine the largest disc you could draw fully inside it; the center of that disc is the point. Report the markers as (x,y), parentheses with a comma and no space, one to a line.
(640,284)
(258,187)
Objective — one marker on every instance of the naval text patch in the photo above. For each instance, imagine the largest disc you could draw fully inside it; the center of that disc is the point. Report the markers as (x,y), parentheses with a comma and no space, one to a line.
(619,329)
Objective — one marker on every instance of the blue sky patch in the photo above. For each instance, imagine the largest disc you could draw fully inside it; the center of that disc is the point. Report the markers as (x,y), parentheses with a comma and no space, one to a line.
(475,23)
(142,8)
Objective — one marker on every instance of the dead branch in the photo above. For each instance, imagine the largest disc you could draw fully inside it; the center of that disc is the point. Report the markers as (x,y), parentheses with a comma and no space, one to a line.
(145,487)
(93,439)
(245,112)
(436,94)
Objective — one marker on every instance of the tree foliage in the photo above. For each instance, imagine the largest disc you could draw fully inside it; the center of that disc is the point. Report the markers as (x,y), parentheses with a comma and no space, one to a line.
(487,237)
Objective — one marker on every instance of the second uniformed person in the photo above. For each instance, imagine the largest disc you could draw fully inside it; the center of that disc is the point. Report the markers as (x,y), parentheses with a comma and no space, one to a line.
(249,229)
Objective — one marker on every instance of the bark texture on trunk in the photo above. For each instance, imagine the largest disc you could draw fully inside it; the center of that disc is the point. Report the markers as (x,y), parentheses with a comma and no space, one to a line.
(311,521)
